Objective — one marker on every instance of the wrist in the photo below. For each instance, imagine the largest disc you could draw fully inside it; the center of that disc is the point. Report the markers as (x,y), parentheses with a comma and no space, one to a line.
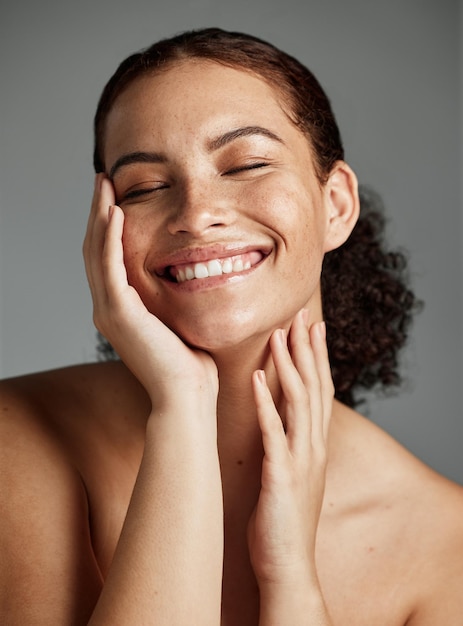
(184,396)
(298,571)
(184,402)
(294,585)
(182,424)
(294,603)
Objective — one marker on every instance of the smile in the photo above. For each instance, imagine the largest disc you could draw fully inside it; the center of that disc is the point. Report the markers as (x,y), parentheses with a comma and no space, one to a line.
(215,267)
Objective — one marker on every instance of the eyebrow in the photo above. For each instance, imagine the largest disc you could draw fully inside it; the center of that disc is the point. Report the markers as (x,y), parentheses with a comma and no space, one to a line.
(212,146)
(246,131)
(136,157)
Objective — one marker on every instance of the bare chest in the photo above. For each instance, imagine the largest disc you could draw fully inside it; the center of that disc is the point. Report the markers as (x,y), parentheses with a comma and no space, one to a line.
(363,569)
(359,589)
(366,571)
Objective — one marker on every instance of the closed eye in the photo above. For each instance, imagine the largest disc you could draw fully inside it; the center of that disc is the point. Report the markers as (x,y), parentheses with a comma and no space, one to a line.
(144,191)
(245,168)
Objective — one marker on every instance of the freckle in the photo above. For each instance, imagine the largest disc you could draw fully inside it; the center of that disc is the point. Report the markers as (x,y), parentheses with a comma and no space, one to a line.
(239,462)
(371,549)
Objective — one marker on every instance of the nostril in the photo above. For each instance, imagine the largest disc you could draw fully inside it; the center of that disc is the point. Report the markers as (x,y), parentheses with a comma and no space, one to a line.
(195,224)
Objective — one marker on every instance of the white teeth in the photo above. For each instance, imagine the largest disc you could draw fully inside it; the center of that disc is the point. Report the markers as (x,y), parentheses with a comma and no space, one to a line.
(215,267)
(238,265)
(200,271)
(227,266)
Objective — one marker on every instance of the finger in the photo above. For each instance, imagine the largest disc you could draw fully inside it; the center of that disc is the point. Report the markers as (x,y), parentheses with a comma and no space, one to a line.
(297,411)
(93,216)
(271,426)
(103,197)
(320,351)
(301,350)
(114,270)
(307,366)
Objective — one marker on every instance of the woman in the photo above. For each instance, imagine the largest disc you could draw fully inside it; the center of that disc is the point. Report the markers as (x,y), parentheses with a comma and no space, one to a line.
(209,477)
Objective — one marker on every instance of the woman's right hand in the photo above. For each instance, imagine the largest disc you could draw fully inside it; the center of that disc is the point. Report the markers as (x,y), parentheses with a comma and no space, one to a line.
(165,569)
(157,356)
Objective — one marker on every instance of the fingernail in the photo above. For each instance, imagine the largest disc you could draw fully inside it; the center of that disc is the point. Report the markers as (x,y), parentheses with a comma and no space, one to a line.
(322,329)
(281,336)
(305,316)
(261,376)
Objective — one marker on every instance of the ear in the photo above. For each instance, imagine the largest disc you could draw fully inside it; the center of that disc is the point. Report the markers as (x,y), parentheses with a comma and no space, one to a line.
(342,205)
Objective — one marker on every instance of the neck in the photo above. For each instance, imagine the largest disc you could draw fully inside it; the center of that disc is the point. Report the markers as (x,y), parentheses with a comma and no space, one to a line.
(239,436)
(238,430)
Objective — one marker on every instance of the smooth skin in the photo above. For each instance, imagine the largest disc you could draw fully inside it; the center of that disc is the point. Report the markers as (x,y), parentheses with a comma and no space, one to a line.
(209,477)
(195,550)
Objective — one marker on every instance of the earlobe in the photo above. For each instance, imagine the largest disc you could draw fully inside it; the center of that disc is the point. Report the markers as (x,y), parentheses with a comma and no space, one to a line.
(342,205)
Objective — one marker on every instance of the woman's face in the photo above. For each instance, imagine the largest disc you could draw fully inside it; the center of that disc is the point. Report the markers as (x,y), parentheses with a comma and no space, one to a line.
(216,183)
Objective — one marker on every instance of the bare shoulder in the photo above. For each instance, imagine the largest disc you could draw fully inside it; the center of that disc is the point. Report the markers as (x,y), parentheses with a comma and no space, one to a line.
(84,386)
(48,566)
(436,515)
(72,402)
(418,515)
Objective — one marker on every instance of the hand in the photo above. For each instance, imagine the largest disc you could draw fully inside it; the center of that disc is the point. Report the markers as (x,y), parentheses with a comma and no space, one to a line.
(157,356)
(282,529)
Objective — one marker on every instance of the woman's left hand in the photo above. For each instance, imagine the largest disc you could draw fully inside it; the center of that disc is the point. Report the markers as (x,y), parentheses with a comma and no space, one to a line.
(283,527)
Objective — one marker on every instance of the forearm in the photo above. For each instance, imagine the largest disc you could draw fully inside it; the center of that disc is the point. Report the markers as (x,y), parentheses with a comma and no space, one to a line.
(168,565)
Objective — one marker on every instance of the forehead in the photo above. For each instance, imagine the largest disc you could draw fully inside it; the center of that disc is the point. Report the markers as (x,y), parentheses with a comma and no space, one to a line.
(194,96)
(201,79)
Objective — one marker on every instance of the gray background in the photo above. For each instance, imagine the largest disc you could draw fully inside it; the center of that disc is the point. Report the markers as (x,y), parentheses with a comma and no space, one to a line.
(394,73)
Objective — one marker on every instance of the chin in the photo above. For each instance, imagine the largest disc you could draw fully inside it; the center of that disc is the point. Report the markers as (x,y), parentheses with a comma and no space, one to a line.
(212,338)
(218,332)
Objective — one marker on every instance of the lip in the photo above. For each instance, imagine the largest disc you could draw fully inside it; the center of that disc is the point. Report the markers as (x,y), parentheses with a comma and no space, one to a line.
(189,256)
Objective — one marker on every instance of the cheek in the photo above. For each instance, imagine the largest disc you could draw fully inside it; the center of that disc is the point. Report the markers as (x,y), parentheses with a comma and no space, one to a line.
(300,230)
(137,240)
(296,218)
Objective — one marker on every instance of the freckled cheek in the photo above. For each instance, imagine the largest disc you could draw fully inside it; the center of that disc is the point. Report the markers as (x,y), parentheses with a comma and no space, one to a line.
(291,213)
(138,276)
(300,230)
(264,201)
(137,241)
(304,269)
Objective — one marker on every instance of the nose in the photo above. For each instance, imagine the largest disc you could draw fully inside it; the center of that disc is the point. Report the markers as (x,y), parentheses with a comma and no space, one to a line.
(199,208)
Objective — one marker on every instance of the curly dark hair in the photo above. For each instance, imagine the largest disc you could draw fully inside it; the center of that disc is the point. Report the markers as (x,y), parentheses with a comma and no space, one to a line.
(367,304)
